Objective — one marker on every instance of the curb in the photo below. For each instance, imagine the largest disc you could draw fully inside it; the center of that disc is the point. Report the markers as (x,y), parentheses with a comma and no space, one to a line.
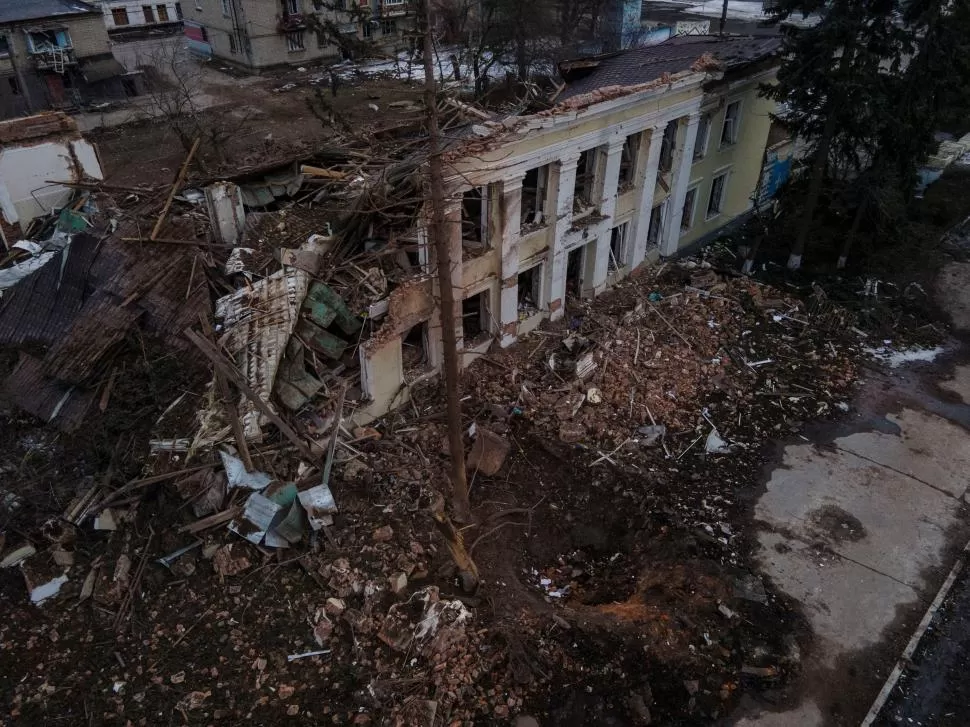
(910,649)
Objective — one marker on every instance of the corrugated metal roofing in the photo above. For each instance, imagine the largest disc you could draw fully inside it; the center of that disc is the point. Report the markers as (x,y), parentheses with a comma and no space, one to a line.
(642,65)
(12,11)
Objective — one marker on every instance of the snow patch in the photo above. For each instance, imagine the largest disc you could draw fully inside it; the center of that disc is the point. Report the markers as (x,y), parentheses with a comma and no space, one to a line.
(898,358)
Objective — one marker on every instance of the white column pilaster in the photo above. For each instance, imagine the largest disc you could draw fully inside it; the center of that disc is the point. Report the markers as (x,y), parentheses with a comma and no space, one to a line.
(611,183)
(647,182)
(556,276)
(683,160)
(511,224)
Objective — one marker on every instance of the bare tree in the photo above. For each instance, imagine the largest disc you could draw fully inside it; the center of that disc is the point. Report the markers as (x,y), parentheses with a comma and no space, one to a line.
(176,96)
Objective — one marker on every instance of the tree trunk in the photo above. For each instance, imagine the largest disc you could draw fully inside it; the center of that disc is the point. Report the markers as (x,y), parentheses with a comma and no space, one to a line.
(819,165)
(439,239)
(860,214)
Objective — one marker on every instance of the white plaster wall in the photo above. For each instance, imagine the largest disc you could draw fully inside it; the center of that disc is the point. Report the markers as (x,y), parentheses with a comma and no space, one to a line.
(25,193)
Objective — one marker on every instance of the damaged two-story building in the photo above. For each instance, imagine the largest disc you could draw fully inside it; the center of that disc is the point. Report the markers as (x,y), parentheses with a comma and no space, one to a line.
(55,54)
(646,153)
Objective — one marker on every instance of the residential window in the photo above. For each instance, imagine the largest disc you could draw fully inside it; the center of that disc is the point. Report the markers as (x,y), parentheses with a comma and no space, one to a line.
(366,29)
(146,10)
(534,188)
(233,47)
(162,13)
(703,136)
(14,85)
(294,41)
(585,180)
(474,219)
(178,11)
(44,41)
(4,46)
(388,27)
(530,291)
(393,2)
(628,160)
(204,33)
(690,204)
(291,7)
(715,205)
(226,7)
(732,123)
(618,247)
(475,317)
(656,224)
(119,16)
(667,146)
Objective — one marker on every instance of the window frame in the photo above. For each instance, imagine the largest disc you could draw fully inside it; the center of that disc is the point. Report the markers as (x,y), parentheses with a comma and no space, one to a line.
(292,7)
(721,174)
(160,10)
(295,41)
(736,123)
(148,13)
(618,259)
(120,13)
(661,224)
(692,189)
(702,145)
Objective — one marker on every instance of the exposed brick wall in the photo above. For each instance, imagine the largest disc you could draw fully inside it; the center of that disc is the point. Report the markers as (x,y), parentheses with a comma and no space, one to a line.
(49,123)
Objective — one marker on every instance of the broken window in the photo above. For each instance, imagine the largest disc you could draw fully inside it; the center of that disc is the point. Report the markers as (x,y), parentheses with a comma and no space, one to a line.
(703,134)
(414,348)
(667,147)
(148,13)
(715,205)
(162,14)
(534,189)
(690,203)
(656,224)
(575,266)
(530,291)
(294,41)
(118,15)
(45,41)
(732,123)
(474,219)
(585,180)
(618,247)
(475,316)
(628,161)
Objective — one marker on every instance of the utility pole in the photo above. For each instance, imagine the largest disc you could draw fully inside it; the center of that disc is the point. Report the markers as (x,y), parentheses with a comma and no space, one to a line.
(724,9)
(440,240)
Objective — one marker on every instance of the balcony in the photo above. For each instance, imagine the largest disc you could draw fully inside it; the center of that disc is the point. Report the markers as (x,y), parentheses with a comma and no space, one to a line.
(393,8)
(53,59)
(290,22)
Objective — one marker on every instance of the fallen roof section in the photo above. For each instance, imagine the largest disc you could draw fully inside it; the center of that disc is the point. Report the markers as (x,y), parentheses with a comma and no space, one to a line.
(641,66)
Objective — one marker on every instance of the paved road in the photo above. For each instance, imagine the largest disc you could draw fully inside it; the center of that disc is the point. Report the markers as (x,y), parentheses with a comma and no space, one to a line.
(859,528)
(935,690)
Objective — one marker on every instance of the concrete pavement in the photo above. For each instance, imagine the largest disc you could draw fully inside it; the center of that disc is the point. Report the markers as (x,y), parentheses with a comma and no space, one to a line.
(859,529)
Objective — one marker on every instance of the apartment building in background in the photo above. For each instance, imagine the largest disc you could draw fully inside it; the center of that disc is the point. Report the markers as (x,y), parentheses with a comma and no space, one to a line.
(263,34)
(647,153)
(127,19)
(55,54)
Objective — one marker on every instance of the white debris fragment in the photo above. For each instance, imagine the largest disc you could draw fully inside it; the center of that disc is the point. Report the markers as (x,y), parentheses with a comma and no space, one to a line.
(896,358)
(237,476)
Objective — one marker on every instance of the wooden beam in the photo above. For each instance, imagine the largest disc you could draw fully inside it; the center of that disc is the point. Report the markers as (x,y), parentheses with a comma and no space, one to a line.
(179,180)
(231,373)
